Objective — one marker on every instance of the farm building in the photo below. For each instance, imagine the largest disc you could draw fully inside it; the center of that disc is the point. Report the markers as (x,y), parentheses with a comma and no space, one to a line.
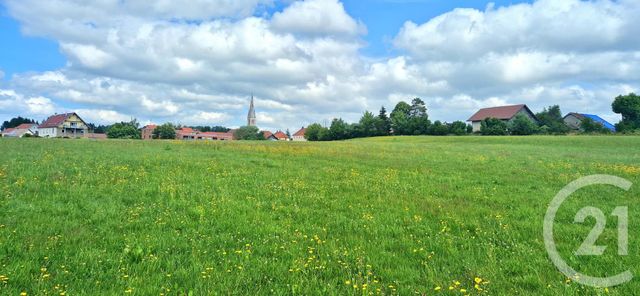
(186,133)
(147,131)
(504,113)
(281,136)
(68,125)
(21,131)
(269,136)
(213,136)
(299,135)
(574,121)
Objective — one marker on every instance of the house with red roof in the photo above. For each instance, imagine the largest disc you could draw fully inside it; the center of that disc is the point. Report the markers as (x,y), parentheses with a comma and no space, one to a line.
(186,133)
(269,136)
(281,136)
(215,136)
(68,125)
(299,135)
(21,131)
(504,113)
(146,132)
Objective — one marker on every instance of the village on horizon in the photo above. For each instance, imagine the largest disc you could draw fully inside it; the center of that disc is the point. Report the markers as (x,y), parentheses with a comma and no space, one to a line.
(71,125)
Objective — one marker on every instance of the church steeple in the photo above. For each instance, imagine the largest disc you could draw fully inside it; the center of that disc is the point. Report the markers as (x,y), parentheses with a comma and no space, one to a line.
(251,117)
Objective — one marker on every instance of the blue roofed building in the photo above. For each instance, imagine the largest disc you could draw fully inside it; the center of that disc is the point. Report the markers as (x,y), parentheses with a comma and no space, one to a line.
(574,121)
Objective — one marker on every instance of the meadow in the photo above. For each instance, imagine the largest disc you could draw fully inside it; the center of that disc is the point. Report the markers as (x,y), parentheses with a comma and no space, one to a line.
(379,216)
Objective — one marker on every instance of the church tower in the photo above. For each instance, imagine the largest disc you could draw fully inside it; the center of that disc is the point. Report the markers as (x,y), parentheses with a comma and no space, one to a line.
(251,117)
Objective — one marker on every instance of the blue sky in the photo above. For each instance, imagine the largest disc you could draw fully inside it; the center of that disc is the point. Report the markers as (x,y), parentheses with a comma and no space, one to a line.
(21,53)
(306,61)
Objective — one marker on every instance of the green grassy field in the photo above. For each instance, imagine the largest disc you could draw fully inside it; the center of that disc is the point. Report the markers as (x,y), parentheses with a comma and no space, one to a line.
(407,216)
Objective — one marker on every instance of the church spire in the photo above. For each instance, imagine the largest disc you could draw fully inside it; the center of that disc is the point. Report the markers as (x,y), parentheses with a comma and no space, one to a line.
(251,117)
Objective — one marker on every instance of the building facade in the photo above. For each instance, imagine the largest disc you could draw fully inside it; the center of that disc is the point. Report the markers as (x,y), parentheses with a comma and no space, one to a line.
(20,131)
(299,135)
(504,113)
(147,131)
(68,125)
(574,121)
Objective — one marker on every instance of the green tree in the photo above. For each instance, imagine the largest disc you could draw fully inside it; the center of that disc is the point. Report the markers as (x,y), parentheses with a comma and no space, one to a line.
(124,130)
(400,119)
(521,125)
(98,129)
(248,133)
(315,132)
(551,117)
(438,129)
(166,131)
(418,118)
(338,129)
(288,133)
(589,126)
(383,123)
(367,125)
(493,127)
(629,107)
(458,128)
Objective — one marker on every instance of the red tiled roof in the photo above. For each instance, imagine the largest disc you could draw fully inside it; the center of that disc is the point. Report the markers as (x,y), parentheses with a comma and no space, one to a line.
(55,120)
(300,133)
(216,135)
(267,134)
(26,126)
(503,112)
(150,126)
(8,130)
(280,135)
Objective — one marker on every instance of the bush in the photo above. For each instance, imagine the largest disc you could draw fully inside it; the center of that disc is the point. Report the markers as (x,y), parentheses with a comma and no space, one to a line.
(438,129)
(589,126)
(248,133)
(522,126)
(124,130)
(166,131)
(458,128)
(493,127)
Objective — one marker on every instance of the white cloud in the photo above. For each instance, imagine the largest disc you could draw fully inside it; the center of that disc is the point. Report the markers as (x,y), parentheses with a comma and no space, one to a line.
(13,103)
(87,55)
(101,116)
(317,17)
(204,117)
(545,25)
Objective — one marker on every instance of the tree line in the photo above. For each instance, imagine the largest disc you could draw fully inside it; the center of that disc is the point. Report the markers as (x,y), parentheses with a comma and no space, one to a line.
(405,119)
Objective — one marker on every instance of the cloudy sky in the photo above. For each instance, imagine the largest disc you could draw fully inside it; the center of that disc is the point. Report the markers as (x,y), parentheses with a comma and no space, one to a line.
(198,61)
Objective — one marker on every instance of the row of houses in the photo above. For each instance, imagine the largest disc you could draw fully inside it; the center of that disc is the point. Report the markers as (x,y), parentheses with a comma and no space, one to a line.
(67,125)
(508,113)
(187,133)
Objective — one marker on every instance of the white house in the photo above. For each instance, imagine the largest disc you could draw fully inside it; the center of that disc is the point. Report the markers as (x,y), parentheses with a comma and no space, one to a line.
(68,125)
(299,135)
